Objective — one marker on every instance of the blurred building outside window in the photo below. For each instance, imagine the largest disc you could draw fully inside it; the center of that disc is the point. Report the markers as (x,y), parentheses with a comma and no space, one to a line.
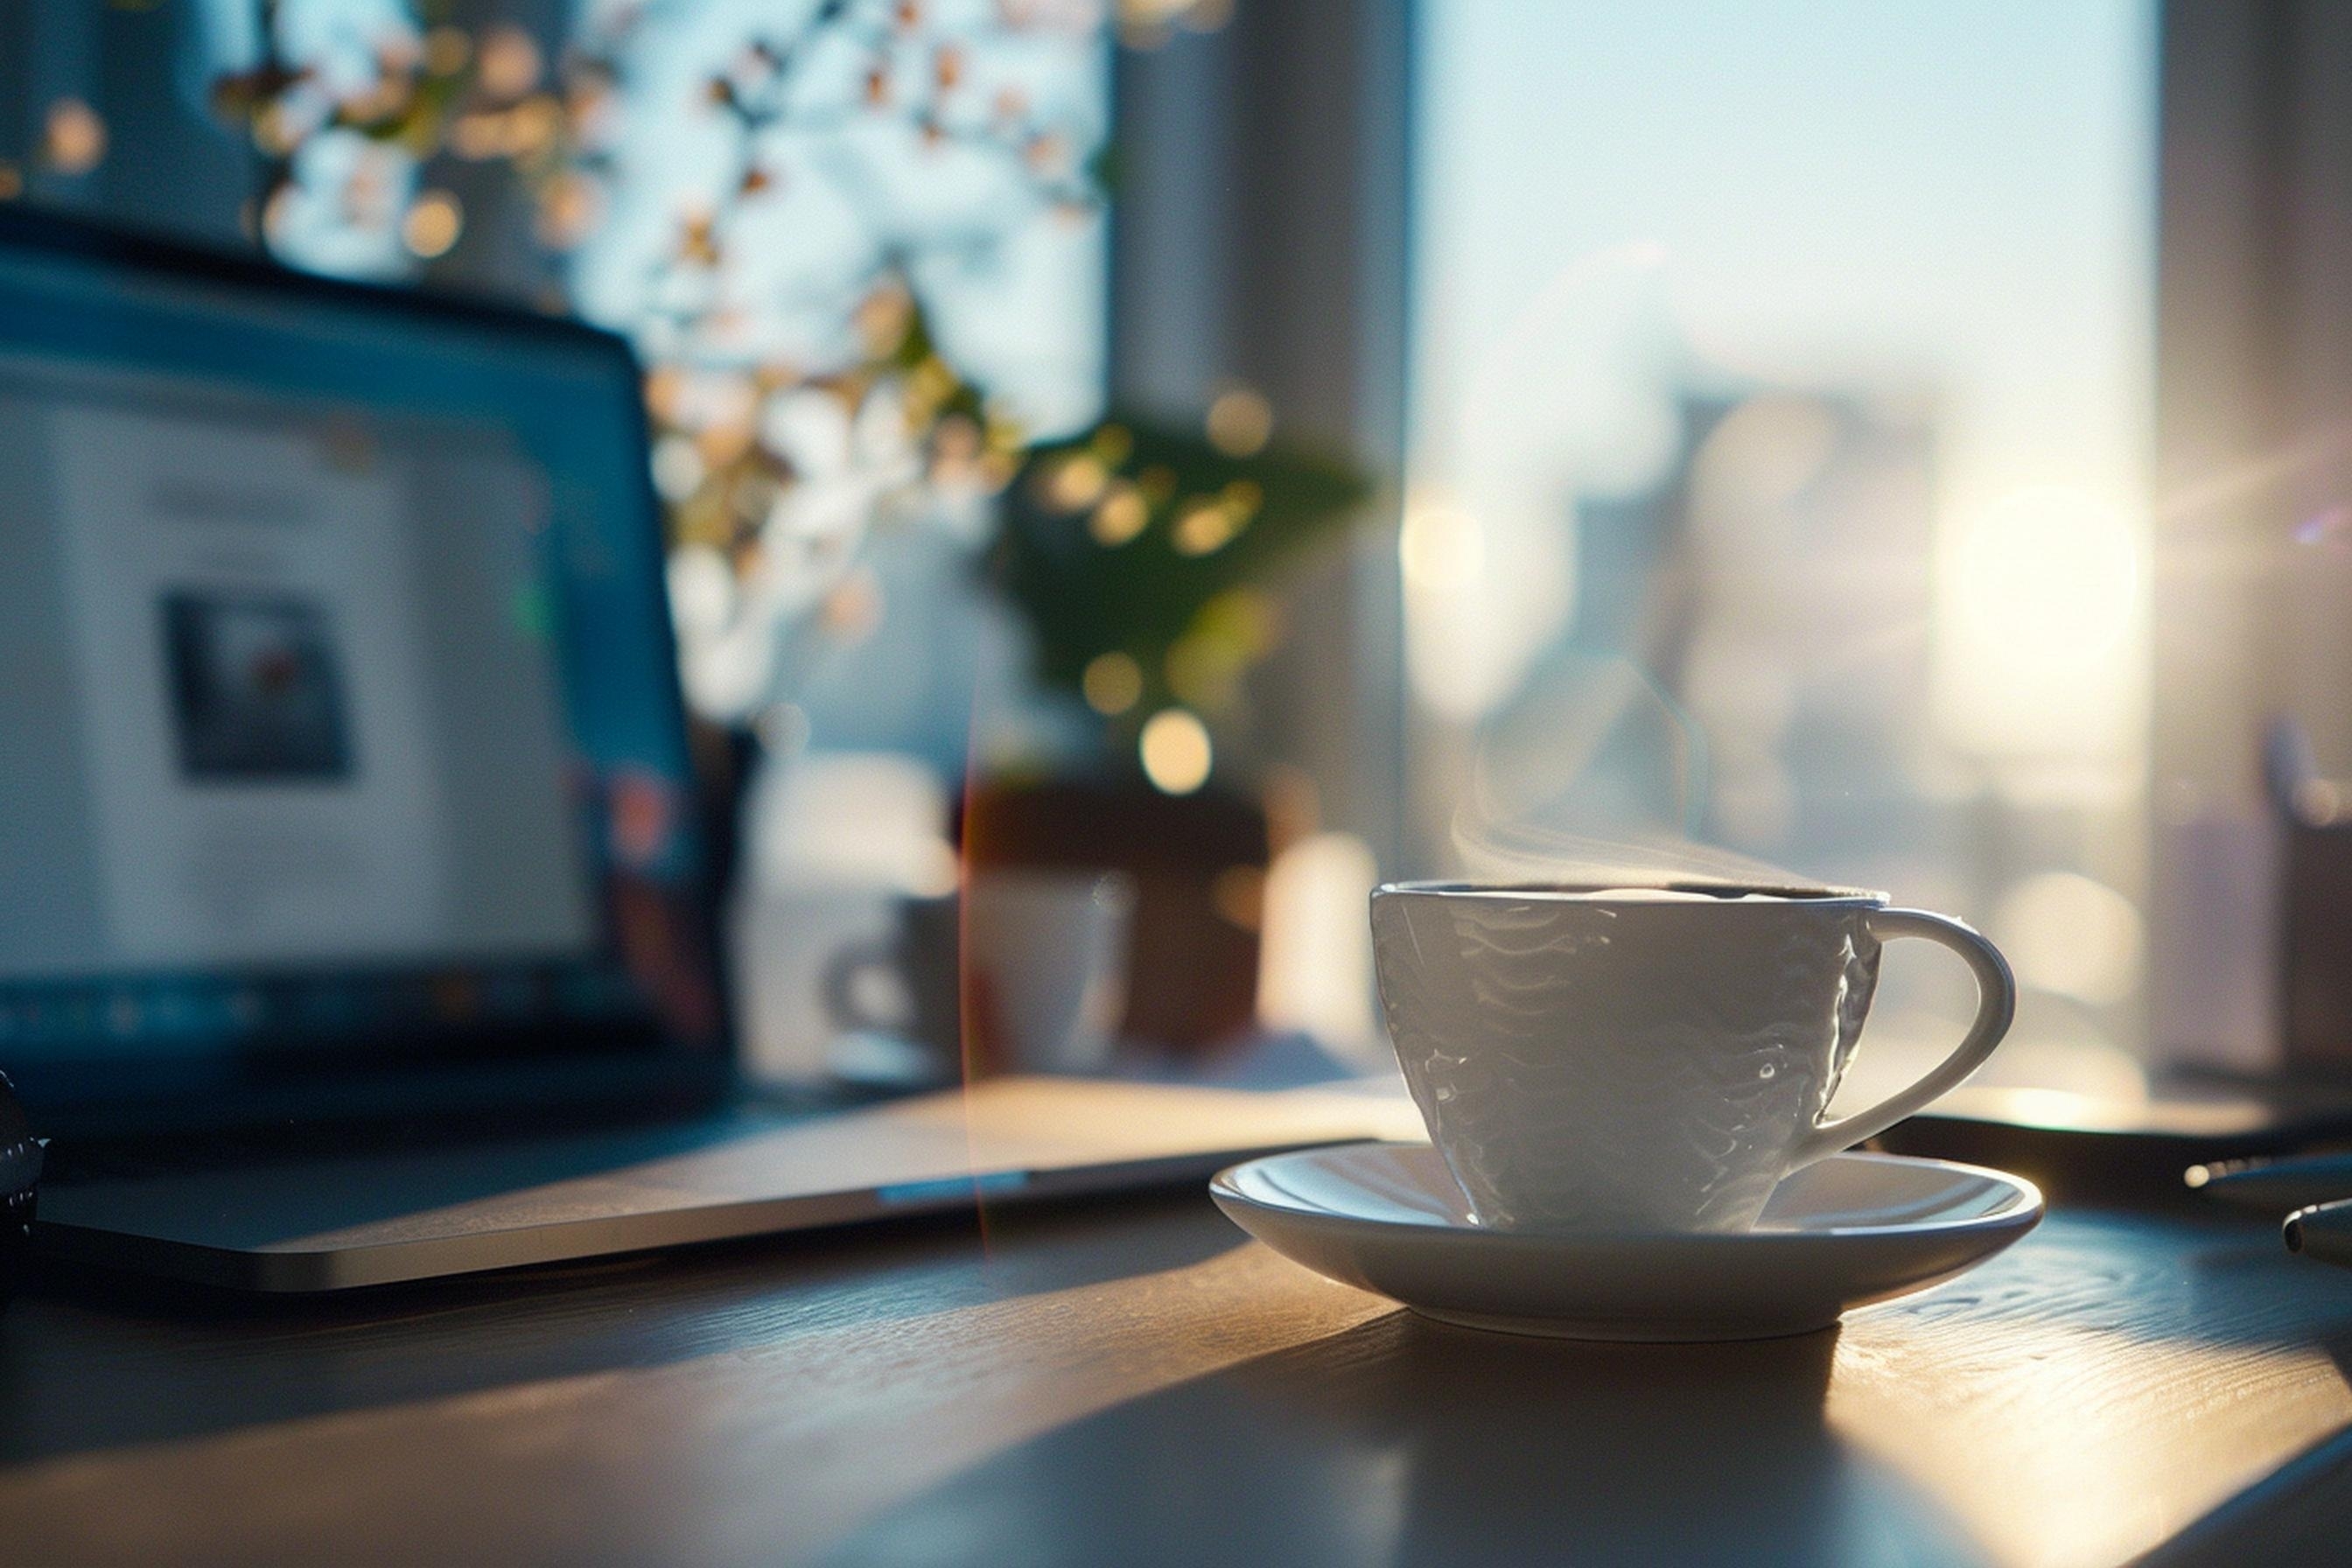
(1781,403)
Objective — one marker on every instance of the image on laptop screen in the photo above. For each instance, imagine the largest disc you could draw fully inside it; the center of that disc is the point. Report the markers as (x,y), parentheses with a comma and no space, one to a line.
(342,716)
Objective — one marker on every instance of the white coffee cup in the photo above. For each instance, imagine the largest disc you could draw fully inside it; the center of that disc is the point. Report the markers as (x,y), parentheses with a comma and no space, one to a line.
(1640,1059)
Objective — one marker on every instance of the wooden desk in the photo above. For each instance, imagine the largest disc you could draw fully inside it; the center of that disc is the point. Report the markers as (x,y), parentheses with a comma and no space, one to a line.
(1135,1383)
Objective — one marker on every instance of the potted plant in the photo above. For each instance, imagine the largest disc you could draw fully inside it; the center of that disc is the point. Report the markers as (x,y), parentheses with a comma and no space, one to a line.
(1143,557)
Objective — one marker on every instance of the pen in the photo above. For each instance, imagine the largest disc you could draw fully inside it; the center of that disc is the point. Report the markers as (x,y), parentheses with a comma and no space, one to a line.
(2275,1185)
(2323,1231)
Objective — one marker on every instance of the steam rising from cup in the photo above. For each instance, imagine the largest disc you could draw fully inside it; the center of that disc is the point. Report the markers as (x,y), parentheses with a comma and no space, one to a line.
(1594,776)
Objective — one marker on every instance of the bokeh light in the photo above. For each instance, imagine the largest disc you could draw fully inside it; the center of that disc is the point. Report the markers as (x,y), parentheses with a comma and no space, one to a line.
(1113,683)
(1075,483)
(509,64)
(1240,422)
(1443,554)
(1175,752)
(1204,527)
(74,137)
(2066,933)
(1440,549)
(433,224)
(1123,514)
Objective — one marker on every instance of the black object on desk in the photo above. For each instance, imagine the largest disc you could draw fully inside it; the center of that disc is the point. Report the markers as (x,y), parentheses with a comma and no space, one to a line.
(20,1180)
(2322,1233)
(2080,1148)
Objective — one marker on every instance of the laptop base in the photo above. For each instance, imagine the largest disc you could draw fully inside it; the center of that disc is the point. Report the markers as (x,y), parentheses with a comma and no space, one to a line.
(337,1224)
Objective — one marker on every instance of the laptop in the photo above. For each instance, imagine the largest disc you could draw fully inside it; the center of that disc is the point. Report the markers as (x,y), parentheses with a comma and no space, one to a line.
(356,924)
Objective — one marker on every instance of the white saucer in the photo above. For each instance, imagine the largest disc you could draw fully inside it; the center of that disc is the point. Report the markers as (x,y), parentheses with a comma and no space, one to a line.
(1853,1230)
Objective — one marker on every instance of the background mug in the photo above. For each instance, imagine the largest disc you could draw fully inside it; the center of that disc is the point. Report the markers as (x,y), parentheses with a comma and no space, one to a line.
(1021,972)
(1641,1059)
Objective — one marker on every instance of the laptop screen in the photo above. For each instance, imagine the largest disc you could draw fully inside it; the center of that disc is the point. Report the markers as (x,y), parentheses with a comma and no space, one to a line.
(341,720)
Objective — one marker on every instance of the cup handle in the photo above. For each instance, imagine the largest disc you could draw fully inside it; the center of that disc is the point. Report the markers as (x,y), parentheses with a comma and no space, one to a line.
(840,983)
(1996,1004)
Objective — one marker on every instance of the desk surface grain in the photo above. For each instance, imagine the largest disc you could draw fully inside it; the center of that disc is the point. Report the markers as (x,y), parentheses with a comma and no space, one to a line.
(1135,1383)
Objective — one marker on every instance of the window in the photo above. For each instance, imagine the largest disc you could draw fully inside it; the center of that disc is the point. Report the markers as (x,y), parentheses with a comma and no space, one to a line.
(1780,413)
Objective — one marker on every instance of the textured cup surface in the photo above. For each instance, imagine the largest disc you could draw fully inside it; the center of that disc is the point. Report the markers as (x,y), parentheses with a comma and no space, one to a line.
(1620,1061)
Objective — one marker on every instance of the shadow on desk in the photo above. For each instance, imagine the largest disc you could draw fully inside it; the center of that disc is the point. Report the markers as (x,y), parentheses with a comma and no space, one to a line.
(97,1361)
(1404,1441)
(2300,1513)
